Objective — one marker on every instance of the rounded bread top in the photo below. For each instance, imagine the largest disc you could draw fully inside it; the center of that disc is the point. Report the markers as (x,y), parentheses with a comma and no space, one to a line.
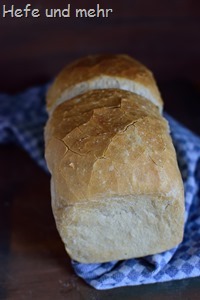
(103,72)
(110,142)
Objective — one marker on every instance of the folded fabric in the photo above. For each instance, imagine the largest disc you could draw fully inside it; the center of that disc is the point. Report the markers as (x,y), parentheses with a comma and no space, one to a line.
(22,120)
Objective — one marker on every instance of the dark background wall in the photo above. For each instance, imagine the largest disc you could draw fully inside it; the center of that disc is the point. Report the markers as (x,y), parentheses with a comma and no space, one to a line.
(164,35)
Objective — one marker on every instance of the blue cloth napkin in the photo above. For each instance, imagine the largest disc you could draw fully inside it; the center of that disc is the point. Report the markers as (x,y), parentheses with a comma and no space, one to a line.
(22,119)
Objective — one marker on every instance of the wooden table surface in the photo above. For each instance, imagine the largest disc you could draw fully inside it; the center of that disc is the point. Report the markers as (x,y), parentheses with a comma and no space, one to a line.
(165,35)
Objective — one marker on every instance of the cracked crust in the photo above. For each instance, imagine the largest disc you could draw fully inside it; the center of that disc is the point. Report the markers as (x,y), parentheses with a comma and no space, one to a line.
(102,72)
(114,177)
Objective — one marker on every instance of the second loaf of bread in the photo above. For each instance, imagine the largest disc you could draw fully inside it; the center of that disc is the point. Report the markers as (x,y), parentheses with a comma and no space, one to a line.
(116,188)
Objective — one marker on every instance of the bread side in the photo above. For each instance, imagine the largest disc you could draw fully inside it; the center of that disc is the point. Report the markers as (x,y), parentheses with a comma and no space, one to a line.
(103,72)
(119,228)
(116,188)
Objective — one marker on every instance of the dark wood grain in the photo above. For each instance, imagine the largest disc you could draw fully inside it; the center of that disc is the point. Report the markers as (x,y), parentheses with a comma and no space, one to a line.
(164,35)
(33,263)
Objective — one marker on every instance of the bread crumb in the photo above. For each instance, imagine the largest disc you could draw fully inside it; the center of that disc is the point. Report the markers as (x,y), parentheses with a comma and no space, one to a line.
(111,168)
(71,165)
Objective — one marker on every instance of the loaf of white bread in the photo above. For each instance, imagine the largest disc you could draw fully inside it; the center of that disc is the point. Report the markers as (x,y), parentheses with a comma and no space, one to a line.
(116,188)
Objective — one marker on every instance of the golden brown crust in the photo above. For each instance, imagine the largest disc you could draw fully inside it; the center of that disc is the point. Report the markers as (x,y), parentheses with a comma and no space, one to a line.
(108,68)
(111,131)
(116,188)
